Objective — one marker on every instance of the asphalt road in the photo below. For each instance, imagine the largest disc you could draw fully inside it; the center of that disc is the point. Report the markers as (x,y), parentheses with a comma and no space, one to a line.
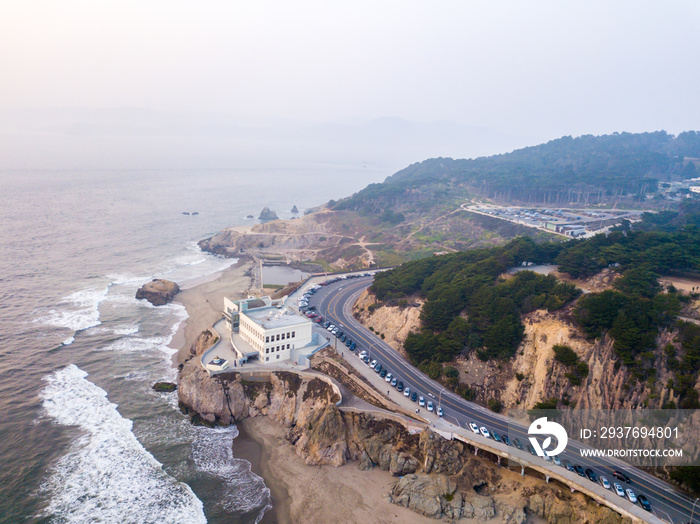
(335,302)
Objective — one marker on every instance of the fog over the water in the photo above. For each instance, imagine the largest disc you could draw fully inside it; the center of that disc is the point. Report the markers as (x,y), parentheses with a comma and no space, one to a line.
(214,84)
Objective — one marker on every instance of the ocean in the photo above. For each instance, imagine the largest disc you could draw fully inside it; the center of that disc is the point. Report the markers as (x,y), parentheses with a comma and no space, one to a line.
(83,437)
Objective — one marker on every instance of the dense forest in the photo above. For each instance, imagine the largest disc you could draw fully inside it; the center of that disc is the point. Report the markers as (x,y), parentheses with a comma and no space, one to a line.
(583,170)
(469,307)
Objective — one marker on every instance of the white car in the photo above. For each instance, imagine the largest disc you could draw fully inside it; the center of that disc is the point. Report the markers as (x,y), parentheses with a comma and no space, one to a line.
(373,364)
(362,354)
(631,496)
(605,483)
(431,408)
(485,432)
(439,411)
(556,460)
(388,377)
(619,490)
(407,392)
(421,401)
(474,427)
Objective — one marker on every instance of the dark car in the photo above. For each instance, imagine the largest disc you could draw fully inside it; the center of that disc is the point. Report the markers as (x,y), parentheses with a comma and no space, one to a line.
(353,346)
(644,502)
(496,436)
(578,469)
(383,373)
(567,465)
(348,342)
(619,475)
(312,308)
(378,368)
(343,338)
(505,440)
(591,475)
(339,334)
(414,396)
(531,449)
(326,324)
(399,386)
(517,443)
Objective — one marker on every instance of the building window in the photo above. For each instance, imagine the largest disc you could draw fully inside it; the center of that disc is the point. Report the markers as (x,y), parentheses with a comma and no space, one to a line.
(267,350)
(293,334)
(278,336)
(287,346)
(267,358)
(267,339)
(278,357)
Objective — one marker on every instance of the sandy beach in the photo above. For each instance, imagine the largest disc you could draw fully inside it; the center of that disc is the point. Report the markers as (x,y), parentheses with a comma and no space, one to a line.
(204,303)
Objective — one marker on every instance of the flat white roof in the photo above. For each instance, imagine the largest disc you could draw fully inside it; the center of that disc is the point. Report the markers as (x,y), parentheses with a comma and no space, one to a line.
(272,317)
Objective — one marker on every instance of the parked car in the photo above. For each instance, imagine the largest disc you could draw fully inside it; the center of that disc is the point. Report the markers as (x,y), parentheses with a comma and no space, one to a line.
(439,411)
(378,369)
(407,392)
(421,401)
(495,436)
(414,396)
(578,469)
(531,450)
(431,407)
(556,460)
(619,475)
(644,502)
(485,432)
(394,382)
(591,475)
(605,483)
(388,377)
(631,496)
(505,440)
(366,359)
(474,427)
(399,386)
(619,490)
(373,364)
(383,373)
(518,444)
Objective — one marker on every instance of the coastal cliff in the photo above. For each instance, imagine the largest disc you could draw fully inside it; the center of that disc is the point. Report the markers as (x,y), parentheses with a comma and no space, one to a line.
(438,477)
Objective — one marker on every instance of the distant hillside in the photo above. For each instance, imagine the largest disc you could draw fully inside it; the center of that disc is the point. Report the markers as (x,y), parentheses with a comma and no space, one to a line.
(584,170)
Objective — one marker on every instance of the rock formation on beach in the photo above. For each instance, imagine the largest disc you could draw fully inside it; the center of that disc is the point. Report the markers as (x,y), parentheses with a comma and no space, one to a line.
(267,214)
(438,477)
(295,210)
(158,292)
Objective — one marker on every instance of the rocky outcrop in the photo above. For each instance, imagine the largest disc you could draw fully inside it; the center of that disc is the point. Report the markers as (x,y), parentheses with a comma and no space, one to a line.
(295,210)
(267,214)
(158,292)
(204,341)
(164,387)
(429,495)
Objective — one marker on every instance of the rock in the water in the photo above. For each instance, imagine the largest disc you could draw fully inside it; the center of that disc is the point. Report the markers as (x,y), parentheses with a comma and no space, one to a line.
(267,214)
(158,292)
(164,387)
(295,210)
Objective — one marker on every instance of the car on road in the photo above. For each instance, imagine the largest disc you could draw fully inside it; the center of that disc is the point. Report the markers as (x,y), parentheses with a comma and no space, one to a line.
(388,377)
(496,436)
(342,338)
(326,324)
(556,460)
(414,396)
(373,364)
(567,465)
(362,354)
(518,444)
(407,392)
(644,502)
(505,440)
(378,368)
(394,382)
(631,496)
(619,490)
(484,432)
(421,401)
(439,412)
(431,407)
(619,475)
(353,346)
(605,483)
(399,386)
(531,450)
(591,475)
(318,319)
(348,342)
(383,373)
(474,427)
(578,469)
(366,359)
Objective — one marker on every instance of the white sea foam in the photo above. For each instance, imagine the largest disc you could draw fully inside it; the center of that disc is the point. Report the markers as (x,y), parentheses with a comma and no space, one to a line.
(77,311)
(212,453)
(107,475)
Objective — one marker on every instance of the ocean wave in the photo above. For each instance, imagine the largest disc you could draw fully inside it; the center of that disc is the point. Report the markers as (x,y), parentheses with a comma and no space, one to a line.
(77,311)
(107,475)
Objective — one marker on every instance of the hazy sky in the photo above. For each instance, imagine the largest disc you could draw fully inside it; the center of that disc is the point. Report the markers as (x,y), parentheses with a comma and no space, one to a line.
(533,67)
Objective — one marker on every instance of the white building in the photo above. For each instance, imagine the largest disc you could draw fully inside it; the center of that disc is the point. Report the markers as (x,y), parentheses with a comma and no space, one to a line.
(265,330)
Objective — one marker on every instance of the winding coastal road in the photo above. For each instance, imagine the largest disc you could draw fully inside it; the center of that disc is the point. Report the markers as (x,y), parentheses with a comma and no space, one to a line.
(335,303)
